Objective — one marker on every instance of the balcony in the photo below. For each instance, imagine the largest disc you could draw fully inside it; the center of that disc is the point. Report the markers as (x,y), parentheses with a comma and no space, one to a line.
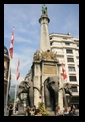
(71,72)
(56,46)
(75,93)
(70,46)
(60,53)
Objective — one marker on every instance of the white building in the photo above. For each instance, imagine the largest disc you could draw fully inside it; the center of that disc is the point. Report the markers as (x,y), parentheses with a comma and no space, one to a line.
(67,49)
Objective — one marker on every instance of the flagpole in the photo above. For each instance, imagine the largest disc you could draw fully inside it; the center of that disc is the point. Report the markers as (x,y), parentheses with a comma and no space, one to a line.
(7,91)
(16,84)
(63,80)
(15,97)
(64,95)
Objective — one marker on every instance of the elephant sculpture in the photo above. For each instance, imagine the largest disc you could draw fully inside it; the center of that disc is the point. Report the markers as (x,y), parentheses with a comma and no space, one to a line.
(51,86)
(67,90)
(26,87)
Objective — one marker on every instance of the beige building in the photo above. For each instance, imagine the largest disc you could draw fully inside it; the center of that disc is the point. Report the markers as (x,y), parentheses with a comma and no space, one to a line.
(67,48)
(6,70)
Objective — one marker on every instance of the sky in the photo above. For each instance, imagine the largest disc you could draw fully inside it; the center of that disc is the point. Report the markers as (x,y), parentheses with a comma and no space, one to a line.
(64,18)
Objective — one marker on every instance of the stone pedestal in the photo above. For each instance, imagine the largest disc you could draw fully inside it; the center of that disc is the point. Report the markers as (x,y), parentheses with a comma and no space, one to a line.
(41,71)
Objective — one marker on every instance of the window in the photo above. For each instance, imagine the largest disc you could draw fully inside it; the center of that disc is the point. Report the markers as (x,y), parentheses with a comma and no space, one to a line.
(51,43)
(70,59)
(67,43)
(50,38)
(72,78)
(69,51)
(74,89)
(71,68)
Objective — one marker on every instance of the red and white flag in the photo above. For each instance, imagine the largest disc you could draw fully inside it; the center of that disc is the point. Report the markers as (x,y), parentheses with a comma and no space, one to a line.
(18,71)
(11,44)
(64,72)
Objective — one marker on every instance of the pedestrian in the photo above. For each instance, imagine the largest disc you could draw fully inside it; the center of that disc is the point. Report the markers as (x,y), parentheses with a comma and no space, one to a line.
(37,112)
(66,112)
(58,111)
(10,108)
(16,110)
(28,111)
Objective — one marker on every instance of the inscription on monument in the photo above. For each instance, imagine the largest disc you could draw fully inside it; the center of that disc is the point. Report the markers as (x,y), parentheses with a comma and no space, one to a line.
(50,69)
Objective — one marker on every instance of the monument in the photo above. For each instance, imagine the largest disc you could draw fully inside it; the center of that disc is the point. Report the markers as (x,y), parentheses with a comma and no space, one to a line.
(45,77)
(46,66)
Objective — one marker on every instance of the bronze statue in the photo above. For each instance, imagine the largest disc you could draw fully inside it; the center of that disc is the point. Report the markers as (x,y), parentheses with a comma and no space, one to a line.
(44,9)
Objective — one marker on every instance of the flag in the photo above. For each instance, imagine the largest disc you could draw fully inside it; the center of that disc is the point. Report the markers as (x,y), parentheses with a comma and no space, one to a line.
(18,71)
(63,72)
(11,44)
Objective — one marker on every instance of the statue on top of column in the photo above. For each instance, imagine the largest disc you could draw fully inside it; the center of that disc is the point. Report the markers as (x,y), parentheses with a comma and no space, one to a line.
(44,9)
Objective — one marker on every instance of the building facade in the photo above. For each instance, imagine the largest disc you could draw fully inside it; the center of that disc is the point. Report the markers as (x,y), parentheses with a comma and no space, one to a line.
(67,49)
(6,71)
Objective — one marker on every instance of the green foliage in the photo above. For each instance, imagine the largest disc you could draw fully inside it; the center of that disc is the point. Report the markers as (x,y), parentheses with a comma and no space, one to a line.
(43,110)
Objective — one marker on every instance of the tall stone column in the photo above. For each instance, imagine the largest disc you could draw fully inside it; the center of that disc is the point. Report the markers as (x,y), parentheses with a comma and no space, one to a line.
(36,83)
(44,33)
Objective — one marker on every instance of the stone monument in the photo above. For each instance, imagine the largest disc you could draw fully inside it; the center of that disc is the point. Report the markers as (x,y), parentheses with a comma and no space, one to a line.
(45,63)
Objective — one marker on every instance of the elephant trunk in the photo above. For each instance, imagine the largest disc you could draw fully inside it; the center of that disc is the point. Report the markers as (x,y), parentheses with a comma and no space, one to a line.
(55,98)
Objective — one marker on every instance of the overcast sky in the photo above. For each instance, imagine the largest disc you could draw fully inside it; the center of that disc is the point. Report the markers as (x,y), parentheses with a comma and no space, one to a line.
(64,18)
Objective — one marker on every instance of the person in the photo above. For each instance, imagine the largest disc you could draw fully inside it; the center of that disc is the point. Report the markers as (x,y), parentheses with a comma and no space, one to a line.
(10,108)
(37,112)
(65,112)
(28,113)
(58,111)
(33,110)
(16,110)
(72,112)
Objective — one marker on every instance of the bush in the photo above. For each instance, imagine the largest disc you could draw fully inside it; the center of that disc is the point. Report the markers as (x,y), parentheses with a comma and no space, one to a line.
(42,109)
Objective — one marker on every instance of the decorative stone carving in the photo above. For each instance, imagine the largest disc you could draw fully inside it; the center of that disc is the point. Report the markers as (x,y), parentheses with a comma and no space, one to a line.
(36,56)
(48,55)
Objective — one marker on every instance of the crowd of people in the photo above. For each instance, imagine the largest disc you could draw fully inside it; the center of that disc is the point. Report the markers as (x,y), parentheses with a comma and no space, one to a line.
(10,108)
(67,111)
(32,111)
